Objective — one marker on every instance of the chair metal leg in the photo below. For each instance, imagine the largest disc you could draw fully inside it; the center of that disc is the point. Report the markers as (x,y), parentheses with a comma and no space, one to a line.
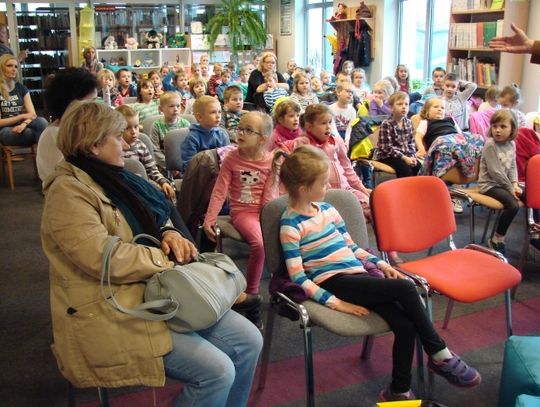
(9,164)
(367,346)
(471,223)
(420,371)
(508,301)
(103,395)
(308,360)
(448,313)
(265,357)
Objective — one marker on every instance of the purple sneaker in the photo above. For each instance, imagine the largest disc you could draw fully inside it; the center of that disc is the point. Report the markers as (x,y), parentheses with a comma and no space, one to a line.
(388,395)
(456,371)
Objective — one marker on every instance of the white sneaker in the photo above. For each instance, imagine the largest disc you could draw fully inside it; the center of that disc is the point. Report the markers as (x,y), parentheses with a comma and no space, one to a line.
(456,204)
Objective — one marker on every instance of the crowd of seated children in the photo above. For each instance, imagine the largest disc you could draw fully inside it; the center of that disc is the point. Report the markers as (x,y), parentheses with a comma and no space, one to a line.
(272,92)
(286,117)
(233,101)
(146,105)
(491,96)
(396,144)
(301,91)
(206,133)
(378,105)
(456,99)
(342,109)
(126,86)
(197,88)
(138,150)
(245,178)
(169,106)
(107,88)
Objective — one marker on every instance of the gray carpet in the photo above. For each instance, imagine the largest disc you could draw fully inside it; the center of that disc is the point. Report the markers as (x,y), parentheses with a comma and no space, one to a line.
(29,375)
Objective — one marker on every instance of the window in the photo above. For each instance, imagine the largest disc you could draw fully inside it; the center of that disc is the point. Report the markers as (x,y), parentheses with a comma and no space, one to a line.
(423,36)
(318,51)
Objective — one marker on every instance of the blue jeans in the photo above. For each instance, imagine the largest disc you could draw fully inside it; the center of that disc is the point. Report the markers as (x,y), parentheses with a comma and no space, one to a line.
(30,135)
(216,364)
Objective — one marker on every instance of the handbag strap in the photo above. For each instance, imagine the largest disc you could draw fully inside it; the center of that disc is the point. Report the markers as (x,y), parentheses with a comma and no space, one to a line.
(142,310)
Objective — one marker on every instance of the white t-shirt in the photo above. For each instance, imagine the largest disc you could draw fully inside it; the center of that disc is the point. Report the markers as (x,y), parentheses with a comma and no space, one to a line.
(342,116)
(48,155)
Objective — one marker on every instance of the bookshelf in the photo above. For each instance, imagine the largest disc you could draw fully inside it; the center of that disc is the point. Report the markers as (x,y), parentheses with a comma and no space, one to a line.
(472,24)
(143,60)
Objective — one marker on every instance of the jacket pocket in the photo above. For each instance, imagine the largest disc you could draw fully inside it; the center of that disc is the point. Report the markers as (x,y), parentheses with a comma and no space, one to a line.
(97,333)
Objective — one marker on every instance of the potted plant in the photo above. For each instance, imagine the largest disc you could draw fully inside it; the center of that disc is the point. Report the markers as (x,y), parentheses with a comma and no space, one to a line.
(243,26)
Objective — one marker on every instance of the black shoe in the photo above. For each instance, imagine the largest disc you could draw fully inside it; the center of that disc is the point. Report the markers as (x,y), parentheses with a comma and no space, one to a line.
(255,316)
(497,246)
(252,301)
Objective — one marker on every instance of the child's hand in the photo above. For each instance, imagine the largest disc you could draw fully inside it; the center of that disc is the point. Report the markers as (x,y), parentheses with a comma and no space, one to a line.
(517,191)
(379,100)
(421,153)
(391,272)
(409,160)
(168,190)
(210,233)
(352,309)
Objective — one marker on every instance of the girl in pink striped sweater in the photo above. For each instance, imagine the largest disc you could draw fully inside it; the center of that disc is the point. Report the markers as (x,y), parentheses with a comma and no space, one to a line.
(245,179)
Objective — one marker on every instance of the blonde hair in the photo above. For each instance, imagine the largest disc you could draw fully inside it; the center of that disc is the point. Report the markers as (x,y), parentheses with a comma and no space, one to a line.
(425,109)
(86,124)
(270,74)
(265,55)
(396,97)
(284,107)
(501,116)
(106,73)
(200,104)
(4,59)
(266,122)
(301,168)
(127,111)
(297,78)
(86,49)
(384,85)
(492,93)
(315,110)
(194,81)
(167,97)
(393,83)
(512,91)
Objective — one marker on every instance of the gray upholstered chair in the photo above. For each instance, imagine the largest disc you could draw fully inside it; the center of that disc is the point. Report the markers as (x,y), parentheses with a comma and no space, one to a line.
(148,123)
(310,312)
(136,167)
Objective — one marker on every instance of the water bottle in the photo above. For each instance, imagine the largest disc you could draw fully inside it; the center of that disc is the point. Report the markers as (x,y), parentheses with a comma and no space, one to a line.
(107,96)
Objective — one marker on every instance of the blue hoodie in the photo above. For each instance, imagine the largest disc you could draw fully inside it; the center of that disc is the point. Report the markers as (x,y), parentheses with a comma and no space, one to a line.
(200,139)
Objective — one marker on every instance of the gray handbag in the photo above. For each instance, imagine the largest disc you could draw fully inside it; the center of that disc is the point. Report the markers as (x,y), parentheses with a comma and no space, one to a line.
(189,297)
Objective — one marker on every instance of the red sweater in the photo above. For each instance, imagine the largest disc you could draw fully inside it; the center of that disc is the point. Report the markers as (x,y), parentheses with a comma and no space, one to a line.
(527,145)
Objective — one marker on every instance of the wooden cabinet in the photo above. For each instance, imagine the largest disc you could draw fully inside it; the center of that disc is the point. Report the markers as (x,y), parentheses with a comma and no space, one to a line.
(470,30)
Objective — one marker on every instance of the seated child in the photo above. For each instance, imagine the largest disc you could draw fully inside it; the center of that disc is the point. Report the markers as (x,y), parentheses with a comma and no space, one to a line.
(510,98)
(206,134)
(286,118)
(301,91)
(215,79)
(243,79)
(291,66)
(316,87)
(146,105)
(321,257)
(226,81)
(245,178)
(155,78)
(197,88)
(378,106)
(456,100)
(107,89)
(169,106)
(326,80)
(232,110)
(182,88)
(360,87)
(196,72)
(396,139)
(272,92)
(125,85)
(331,95)
(342,109)
(437,87)
(138,150)
(492,94)
(347,68)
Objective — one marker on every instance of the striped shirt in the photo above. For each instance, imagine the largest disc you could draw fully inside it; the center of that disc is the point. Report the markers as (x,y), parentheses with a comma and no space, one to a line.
(270,96)
(146,109)
(139,151)
(318,247)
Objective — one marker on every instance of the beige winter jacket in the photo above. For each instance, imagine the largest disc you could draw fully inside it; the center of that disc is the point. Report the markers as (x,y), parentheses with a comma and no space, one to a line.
(94,344)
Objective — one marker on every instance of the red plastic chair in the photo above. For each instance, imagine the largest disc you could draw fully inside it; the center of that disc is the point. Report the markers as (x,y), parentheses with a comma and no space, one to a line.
(532,185)
(414,214)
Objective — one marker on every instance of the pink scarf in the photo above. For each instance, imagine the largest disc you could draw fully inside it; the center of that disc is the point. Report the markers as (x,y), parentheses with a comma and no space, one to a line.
(282,133)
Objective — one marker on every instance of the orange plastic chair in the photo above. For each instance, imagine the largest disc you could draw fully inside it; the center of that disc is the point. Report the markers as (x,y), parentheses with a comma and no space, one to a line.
(532,185)
(414,214)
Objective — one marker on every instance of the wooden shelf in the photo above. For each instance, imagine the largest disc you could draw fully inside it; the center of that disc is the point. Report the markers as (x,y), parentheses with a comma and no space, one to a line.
(369,21)
(472,49)
(478,11)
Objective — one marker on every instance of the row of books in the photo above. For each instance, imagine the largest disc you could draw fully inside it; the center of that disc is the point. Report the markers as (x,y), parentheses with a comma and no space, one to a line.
(471,69)
(474,35)
(477,4)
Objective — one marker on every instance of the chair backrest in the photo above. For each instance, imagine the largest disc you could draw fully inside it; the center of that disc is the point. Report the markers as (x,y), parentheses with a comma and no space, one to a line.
(128,100)
(189,117)
(533,182)
(148,123)
(136,167)
(147,142)
(411,214)
(345,203)
(172,144)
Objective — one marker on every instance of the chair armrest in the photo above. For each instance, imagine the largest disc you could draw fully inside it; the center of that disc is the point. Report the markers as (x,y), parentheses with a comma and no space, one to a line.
(486,250)
(458,193)
(298,308)
(419,281)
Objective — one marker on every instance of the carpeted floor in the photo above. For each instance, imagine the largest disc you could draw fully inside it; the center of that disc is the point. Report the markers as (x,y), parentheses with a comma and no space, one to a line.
(29,376)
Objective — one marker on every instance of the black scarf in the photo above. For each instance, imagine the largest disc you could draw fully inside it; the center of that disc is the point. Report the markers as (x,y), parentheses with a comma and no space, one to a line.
(145,208)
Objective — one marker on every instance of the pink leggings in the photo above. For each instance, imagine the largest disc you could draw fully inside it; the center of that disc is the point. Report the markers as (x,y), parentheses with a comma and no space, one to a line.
(249,226)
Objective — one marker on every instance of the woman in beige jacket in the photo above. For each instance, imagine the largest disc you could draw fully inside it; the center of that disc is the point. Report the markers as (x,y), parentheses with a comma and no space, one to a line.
(89,198)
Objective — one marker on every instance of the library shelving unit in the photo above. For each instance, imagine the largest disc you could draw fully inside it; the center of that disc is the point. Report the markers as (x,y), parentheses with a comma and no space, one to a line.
(148,59)
(44,34)
(472,24)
